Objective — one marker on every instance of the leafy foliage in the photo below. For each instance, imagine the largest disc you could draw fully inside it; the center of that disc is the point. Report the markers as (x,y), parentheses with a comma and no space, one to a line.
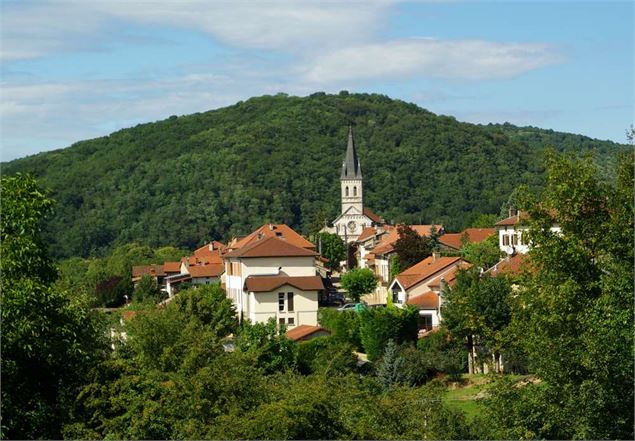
(49,339)
(269,345)
(574,313)
(211,175)
(333,249)
(379,325)
(344,325)
(359,281)
(484,254)
(411,248)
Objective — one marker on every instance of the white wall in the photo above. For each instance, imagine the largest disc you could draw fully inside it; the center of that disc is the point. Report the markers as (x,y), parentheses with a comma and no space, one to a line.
(264,305)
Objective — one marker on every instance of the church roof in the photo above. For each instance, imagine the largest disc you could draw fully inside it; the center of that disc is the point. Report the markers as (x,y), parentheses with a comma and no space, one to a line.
(351,167)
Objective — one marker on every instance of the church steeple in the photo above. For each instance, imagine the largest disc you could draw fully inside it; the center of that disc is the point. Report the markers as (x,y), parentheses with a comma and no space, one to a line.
(351,167)
(351,180)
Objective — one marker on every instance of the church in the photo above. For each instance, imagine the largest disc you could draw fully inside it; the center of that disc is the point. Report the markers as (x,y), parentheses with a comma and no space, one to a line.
(354,216)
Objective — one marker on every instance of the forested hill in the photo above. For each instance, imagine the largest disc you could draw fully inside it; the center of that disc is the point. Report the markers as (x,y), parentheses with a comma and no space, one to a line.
(277,158)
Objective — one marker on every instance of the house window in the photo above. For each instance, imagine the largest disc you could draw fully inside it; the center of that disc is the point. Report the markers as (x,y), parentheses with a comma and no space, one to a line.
(281,321)
(291,321)
(524,240)
(395,295)
(505,240)
(289,301)
(280,301)
(425,321)
(514,240)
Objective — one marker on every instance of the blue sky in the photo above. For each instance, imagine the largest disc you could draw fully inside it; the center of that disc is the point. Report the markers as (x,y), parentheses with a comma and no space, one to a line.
(76,69)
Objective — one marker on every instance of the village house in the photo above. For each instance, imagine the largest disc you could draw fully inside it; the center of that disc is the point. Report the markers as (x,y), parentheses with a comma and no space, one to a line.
(385,249)
(274,276)
(421,286)
(511,232)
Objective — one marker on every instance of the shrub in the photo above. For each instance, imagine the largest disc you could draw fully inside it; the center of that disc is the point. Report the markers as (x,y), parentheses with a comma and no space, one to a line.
(378,325)
(325,355)
(443,353)
(343,324)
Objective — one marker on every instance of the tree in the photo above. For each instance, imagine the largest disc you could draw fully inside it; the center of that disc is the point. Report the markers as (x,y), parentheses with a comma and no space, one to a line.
(575,309)
(484,254)
(273,350)
(392,367)
(146,290)
(379,325)
(332,248)
(411,247)
(359,281)
(49,338)
(478,307)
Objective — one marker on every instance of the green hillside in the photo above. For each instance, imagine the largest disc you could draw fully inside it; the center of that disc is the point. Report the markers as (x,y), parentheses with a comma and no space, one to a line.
(277,158)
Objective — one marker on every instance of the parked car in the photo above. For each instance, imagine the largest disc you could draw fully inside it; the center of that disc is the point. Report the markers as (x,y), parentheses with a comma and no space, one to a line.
(351,306)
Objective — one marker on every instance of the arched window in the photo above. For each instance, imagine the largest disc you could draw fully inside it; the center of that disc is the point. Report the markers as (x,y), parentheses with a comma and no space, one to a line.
(346,191)
(354,191)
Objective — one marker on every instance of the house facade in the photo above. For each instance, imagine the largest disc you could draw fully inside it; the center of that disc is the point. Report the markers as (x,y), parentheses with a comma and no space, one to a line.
(269,277)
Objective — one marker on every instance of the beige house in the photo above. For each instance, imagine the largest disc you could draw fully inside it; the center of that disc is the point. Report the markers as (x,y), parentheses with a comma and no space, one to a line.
(269,277)
(421,285)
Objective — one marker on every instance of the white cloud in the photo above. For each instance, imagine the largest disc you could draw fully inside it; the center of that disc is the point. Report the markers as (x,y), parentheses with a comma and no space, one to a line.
(460,59)
(31,30)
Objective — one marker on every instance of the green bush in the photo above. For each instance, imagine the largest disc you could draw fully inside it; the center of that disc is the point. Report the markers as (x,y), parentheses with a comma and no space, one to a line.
(378,325)
(344,325)
(325,355)
(444,353)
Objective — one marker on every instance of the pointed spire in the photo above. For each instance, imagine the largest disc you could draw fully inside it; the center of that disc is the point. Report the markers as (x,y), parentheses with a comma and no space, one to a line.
(351,167)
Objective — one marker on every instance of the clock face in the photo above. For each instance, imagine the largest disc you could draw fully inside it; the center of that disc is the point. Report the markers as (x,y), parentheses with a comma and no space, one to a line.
(351,226)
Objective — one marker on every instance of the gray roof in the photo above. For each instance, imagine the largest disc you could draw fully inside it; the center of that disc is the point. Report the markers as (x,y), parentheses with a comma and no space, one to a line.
(351,168)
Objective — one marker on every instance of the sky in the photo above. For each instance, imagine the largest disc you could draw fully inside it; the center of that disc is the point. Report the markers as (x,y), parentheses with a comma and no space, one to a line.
(78,69)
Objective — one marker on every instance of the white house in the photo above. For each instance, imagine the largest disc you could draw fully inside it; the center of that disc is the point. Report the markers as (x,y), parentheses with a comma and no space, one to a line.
(269,277)
(511,232)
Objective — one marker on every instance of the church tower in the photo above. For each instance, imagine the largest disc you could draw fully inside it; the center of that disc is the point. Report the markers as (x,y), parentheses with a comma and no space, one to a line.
(351,179)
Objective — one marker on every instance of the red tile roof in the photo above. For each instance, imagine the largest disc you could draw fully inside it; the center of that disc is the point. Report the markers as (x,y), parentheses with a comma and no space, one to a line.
(281,231)
(303,331)
(387,243)
(427,300)
(270,283)
(147,270)
(172,267)
(450,276)
(425,269)
(372,216)
(471,235)
(511,266)
(521,217)
(270,247)
(367,233)
(209,270)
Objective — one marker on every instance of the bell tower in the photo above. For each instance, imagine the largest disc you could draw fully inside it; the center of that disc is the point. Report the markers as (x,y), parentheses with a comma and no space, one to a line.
(351,179)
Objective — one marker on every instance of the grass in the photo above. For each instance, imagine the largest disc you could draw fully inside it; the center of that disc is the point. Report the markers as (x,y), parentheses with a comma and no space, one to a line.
(464,395)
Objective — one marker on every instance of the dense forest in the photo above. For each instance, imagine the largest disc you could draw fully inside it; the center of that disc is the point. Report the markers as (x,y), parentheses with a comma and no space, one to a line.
(188,179)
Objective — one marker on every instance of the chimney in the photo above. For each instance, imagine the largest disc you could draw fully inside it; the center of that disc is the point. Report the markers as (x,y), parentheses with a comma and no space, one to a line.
(436,256)
(271,227)
(513,212)
(211,246)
